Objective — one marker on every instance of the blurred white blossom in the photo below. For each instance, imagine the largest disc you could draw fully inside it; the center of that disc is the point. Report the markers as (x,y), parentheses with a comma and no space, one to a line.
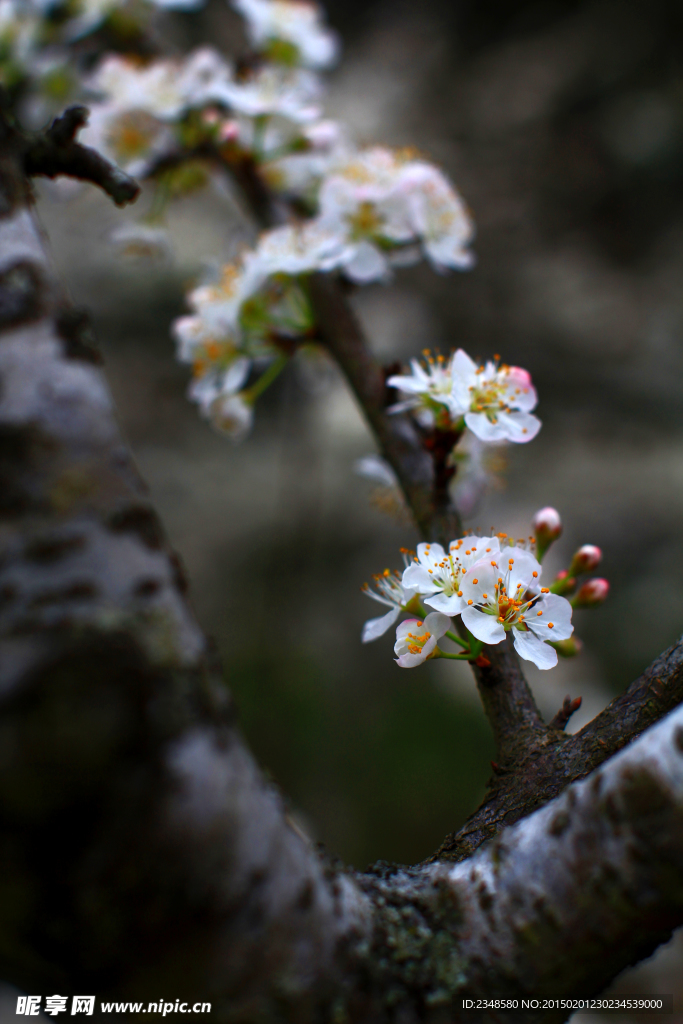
(136,239)
(388,204)
(292,93)
(218,398)
(295,23)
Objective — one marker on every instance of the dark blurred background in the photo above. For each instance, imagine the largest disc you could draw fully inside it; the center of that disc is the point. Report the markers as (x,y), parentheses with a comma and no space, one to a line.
(561,124)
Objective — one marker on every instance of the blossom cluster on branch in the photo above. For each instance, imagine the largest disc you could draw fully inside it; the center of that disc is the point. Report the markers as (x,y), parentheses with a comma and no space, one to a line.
(329,208)
(493,584)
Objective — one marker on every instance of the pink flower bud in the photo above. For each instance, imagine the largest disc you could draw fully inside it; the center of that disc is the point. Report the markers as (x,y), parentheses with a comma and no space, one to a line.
(586,559)
(593,592)
(547,527)
(522,378)
(229,131)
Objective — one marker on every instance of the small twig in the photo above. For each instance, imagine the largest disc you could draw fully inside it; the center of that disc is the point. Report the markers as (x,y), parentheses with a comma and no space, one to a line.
(568,708)
(55,152)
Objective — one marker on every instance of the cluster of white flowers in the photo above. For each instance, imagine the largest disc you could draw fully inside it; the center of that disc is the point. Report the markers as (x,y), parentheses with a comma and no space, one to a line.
(139,106)
(492,583)
(369,210)
(36,35)
(250,318)
(494,401)
(267,109)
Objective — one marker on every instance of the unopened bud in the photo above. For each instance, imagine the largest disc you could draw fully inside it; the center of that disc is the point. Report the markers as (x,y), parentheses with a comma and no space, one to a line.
(568,648)
(229,131)
(547,527)
(563,584)
(586,559)
(591,593)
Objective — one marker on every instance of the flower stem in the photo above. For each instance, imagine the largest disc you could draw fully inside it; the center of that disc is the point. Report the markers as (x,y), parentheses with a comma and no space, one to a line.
(260,125)
(457,639)
(266,379)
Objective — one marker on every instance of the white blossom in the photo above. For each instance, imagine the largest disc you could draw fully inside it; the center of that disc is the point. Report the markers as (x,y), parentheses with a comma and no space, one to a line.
(219,304)
(218,398)
(416,640)
(131,138)
(294,22)
(304,158)
(136,239)
(89,14)
(501,594)
(437,577)
(428,386)
(388,204)
(232,415)
(494,401)
(133,122)
(391,592)
(164,88)
(299,249)
(270,90)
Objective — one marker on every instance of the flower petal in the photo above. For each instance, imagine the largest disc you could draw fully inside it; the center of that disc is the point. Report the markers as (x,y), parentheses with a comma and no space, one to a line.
(375,628)
(555,609)
(485,430)
(430,553)
(520,427)
(484,627)
(366,264)
(452,605)
(406,627)
(437,624)
(417,577)
(529,647)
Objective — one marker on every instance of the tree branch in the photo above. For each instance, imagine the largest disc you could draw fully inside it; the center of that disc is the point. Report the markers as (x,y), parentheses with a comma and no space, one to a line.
(396,436)
(553,760)
(56,152)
